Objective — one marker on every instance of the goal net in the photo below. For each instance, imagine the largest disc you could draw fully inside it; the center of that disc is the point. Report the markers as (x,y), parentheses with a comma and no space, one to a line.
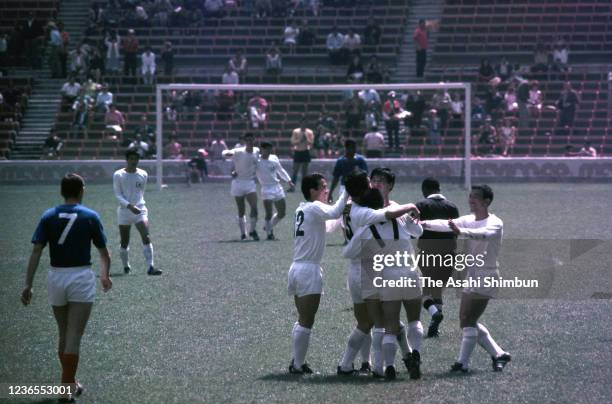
(417,121)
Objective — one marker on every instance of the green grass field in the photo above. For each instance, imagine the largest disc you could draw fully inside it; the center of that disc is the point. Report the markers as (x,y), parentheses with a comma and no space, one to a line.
(216,326)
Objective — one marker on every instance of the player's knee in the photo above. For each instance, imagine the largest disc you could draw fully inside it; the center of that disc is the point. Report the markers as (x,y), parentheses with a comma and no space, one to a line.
(365,326)
(280,215)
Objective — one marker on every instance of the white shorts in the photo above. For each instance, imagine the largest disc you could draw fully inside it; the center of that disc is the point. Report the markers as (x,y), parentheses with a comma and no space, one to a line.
(242,187)
(353,282)
(391,294)
(71,285)
(126,217)
(305,278)
(480,274)
(272,192)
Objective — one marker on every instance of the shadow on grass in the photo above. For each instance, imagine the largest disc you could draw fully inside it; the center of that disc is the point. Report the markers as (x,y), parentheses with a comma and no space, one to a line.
(323,379)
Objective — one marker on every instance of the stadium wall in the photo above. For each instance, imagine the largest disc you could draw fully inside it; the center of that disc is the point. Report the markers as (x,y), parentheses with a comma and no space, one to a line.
(485,169)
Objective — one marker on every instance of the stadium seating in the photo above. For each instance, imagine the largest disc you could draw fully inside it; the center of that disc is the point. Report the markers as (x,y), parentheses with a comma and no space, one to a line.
(15,92)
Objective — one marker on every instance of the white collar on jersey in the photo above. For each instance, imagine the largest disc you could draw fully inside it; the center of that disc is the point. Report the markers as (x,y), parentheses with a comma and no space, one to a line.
(436,196)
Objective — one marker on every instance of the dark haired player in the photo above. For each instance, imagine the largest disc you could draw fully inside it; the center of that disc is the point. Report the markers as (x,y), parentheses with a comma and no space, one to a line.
(346,164)
(243,185)
(69,229)
(435,206)
(129,185)
(269,173)
(484,232)
(305,278)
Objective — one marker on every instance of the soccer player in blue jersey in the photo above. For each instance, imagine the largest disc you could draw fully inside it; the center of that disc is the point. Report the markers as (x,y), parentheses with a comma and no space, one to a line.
(69,229)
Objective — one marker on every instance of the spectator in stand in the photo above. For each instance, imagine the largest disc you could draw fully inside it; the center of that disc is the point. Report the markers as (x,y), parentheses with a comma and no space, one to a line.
(420,40)
(226,101)
(433,124)
(307,36)
(239,64)
(534,102)
(485,72)
(507,136)
(290,35)
(70,92)
(53,144)
(130,54)
(487,138)
(274,61)
(216,147)
(478,114)
(415,104)
(167,58)
(197,167)
(335,46)
(504,69)
(302,140)
(148,66)
(372,115)
(566,105)
(104,100)
(374,71)
(112,42)
(229,76)
(263,8)
(32,33)
(214,8)
(510,101)
(80,119)
(494,100)
(352,42)
(391,111)
(96,65)
(174,150)
(77,63)
(192,101)
(372,32)
(354,111)
(456,109)
(560,57)
(522,98)
(56,47)
(540,59)
(587,150)
(171,115)
(257,109)
(142,18)
(441,102)
(114,120)
(374,143)
(355,72)
(147,131)
(65,44)
(369,95)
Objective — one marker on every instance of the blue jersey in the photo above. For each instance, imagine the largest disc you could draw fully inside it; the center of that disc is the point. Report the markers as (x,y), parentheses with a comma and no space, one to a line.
(345,166)
(70,230)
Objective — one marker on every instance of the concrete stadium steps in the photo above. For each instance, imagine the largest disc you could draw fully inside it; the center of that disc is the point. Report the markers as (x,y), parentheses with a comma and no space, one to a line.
(74,14)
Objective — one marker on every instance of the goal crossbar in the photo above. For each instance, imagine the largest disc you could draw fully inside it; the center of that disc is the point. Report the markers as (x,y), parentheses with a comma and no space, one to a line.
(466,87)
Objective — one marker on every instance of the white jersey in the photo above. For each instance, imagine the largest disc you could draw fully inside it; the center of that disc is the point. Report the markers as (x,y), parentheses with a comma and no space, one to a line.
(364,216)
(484,236)
(245,163)
(310,218)
(130,187)
(270,171)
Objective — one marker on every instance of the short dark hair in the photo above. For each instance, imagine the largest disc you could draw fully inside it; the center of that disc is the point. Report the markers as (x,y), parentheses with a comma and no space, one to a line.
(384,172)
(311,181)
(131,152)
(373,199)
(265,145)
(485,191)
(429,185)
(72,185)
(356,183)
(350,142)
(248,134)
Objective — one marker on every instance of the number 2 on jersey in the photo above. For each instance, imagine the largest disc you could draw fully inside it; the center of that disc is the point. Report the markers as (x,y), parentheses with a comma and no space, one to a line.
(299,220)
(71,219)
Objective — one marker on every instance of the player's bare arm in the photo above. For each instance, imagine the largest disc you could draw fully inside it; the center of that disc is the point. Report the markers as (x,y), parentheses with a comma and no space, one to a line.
(105,262)
(26,294)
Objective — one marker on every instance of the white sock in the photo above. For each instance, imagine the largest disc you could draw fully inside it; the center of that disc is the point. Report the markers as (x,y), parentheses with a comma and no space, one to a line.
(487,342)
(252,223)
(124,254)
(377,356)
(415,335)
(148,253)
(432,309)
(468,342)
(389,348)
(355,342)
(301,338)
(275,220)
(402,341)
(242,224)
(366,345)
(268,226)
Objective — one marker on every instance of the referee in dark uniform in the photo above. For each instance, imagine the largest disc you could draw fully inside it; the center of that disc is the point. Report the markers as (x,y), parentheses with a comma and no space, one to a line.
(435,206)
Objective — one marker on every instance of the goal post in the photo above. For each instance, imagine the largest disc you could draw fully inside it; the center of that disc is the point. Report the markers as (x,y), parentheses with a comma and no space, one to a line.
(290,88)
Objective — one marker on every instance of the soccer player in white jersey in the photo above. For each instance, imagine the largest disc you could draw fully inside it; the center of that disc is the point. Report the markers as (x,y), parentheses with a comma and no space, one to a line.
(484,232)
(69,229)
(243,185)
(269,173)
(391,236)
(360,340)
(129,185)
(305,277)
